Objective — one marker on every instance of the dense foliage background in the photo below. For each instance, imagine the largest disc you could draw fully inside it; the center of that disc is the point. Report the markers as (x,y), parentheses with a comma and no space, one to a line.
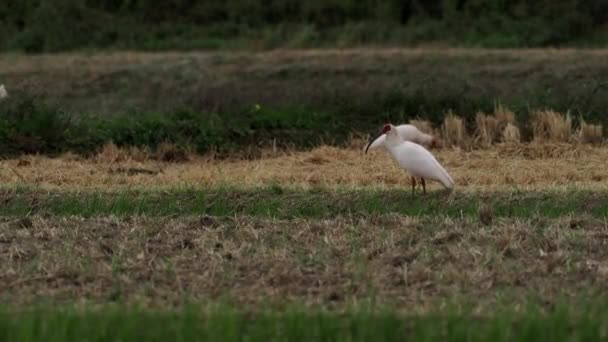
(56,25)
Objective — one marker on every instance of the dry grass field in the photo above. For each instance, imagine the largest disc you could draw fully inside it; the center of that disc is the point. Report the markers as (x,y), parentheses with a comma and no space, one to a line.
(326,228)
(413,262)
(504,166)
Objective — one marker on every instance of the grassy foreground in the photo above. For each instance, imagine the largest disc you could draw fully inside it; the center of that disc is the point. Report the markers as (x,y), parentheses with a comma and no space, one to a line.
(114,324)
(283,202)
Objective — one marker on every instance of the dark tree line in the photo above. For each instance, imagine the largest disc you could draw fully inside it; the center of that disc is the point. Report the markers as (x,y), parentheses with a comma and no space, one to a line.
(65,24)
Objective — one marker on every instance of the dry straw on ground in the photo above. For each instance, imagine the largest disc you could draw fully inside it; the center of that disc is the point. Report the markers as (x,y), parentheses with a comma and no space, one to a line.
(168,152)
(547,126)
(534,165)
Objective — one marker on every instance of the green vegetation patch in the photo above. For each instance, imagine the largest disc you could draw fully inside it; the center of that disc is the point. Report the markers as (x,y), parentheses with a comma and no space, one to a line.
(128,324)
(239,102)
(27,126)
(282,202)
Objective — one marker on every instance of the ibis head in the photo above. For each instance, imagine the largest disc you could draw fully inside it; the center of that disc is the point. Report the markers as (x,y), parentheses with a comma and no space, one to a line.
(385,129)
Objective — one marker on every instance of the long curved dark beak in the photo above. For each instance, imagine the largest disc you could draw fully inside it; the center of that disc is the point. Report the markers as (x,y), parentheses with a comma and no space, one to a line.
(371,140)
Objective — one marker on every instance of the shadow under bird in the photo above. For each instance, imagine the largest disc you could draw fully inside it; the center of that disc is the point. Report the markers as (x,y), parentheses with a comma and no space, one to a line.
(414,158)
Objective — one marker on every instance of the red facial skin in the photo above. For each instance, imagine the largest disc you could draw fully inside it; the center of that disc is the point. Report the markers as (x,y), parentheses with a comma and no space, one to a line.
(386,128)
(435,143)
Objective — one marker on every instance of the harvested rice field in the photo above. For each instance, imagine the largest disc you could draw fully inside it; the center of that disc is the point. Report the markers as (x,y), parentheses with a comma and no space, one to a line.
(504,167)
(325,231)
(326,227)
(327,242)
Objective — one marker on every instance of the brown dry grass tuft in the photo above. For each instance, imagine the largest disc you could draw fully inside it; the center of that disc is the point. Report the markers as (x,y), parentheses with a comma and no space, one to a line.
(453,131)
(110,153)
(488,130)
(504,116)
(548,125)
(511,135)
(486,214)
(495,128)
(169,152)
(590,133)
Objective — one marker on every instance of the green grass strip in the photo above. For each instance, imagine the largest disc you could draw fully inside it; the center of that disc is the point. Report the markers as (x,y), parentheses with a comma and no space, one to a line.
(288,203)
(191,324)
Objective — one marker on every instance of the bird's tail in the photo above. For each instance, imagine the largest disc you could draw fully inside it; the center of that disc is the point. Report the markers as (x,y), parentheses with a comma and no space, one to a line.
(446,179)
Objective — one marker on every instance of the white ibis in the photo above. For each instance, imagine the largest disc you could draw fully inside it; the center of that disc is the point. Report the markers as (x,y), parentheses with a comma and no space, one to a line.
(414,158)
(3,92)
(408,133)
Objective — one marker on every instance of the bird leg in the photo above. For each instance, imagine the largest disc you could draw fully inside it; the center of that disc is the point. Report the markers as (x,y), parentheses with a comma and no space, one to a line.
(413,185)
(423,185)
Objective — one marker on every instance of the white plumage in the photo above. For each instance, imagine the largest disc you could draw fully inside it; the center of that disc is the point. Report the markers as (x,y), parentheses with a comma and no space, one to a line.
(407,133)
(414,158)
(3,92)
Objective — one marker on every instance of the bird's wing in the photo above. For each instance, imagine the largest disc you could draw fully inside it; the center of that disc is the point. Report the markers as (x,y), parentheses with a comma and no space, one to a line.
(411,133)
(423,163)
(408,132)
